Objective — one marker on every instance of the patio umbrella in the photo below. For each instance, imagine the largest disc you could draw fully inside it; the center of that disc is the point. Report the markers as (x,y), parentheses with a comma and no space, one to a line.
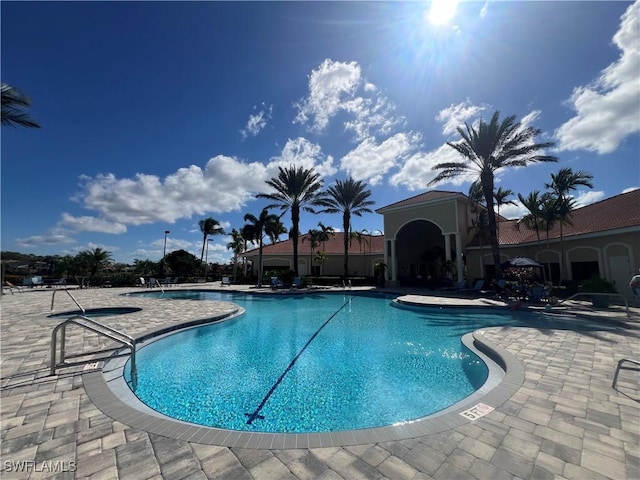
(520,262)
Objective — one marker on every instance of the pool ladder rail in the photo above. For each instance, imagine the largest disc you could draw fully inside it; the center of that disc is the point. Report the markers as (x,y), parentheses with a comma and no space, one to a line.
(94,326)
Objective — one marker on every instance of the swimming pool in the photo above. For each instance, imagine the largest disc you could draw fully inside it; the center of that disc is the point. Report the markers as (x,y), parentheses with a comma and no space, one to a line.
(312,363)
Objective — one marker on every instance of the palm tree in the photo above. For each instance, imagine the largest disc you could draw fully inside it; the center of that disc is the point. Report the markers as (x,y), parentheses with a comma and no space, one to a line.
(325,233)
(500,196)
(295,188)
(12,102)
(313,237)
(350,198)
(209,226)
(562,183)
(533,219)
(361,238)
(257,227)
(237,246)
(488,148)
(95,260)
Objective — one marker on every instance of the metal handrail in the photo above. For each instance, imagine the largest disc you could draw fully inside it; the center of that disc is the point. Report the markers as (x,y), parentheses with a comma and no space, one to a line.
(98,328)
(53,297)
(599,294)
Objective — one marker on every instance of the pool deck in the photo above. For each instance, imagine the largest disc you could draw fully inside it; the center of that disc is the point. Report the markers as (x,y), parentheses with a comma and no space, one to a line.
(564,421)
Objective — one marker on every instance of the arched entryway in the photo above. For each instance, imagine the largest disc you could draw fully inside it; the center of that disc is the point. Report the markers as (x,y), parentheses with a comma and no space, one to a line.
(420,253)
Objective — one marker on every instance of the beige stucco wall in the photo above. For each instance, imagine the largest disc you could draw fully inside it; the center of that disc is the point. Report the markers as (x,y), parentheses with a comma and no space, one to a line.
(617,254)
(442,214)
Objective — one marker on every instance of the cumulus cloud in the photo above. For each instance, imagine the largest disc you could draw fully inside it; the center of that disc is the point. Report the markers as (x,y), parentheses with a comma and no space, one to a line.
(225,184)
(257,121)
(91,224)
(300,152)
(338,87)
(455,116)
(370,160)
(417,171)
(607,110)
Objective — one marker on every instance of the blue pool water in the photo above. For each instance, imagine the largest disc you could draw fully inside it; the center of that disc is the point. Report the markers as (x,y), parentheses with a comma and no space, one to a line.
(312,363)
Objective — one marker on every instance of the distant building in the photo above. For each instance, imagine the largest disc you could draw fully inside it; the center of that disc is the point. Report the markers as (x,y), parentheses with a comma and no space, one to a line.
(362,256)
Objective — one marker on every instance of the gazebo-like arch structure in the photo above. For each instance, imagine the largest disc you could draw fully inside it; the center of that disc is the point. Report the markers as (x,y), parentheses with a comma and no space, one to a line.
(422,234)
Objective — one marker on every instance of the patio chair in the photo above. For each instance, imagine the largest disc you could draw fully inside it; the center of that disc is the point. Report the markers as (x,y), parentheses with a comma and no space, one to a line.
(635,366)
(11,287)
(225,282)
(476,288)
(276,283)
(297,282)
(535,294)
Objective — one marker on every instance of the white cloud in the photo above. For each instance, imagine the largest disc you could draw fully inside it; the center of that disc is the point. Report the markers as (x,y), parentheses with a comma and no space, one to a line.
(417,171)
(51,239)
(328,85)
(456,115)
(91,224)
(257,121)
(369,161)
(334,88)
(587,197)
(225,184)
(608,110)
(630,189)
(301,152)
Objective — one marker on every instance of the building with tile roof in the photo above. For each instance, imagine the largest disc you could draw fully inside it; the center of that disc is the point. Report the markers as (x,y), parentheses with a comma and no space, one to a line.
(431,236)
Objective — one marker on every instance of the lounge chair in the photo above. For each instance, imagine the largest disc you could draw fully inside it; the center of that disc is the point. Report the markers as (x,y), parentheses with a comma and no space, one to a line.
(455,287)
(535,294)
(225,282)
(276,283)
(297,282)
(11,287)
(476,288)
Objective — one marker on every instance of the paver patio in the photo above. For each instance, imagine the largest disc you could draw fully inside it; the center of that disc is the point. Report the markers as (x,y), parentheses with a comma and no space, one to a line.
(565,421)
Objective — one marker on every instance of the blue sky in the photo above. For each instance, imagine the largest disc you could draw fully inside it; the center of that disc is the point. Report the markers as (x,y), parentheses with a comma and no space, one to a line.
(156,115)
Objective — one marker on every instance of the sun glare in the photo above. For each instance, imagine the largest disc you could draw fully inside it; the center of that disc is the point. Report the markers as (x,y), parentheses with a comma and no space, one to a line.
(442,11)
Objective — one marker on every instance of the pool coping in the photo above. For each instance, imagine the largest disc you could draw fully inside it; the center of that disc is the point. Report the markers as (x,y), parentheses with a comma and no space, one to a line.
(108,390)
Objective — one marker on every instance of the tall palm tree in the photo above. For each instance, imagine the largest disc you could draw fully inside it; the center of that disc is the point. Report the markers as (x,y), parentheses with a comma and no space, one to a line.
(12,102)
(256,228)
(348,197)
(488,148)
(209,226)
(562,183)
(237,246)
(295,188)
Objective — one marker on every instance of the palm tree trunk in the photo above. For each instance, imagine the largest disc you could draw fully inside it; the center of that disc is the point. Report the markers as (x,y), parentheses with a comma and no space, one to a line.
(260,263)
(295,221)
(487,185)
(345,226)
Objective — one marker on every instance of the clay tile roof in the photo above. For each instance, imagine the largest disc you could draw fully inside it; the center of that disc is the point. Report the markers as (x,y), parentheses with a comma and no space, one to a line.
(421,198)
(619,212)
(334,246)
